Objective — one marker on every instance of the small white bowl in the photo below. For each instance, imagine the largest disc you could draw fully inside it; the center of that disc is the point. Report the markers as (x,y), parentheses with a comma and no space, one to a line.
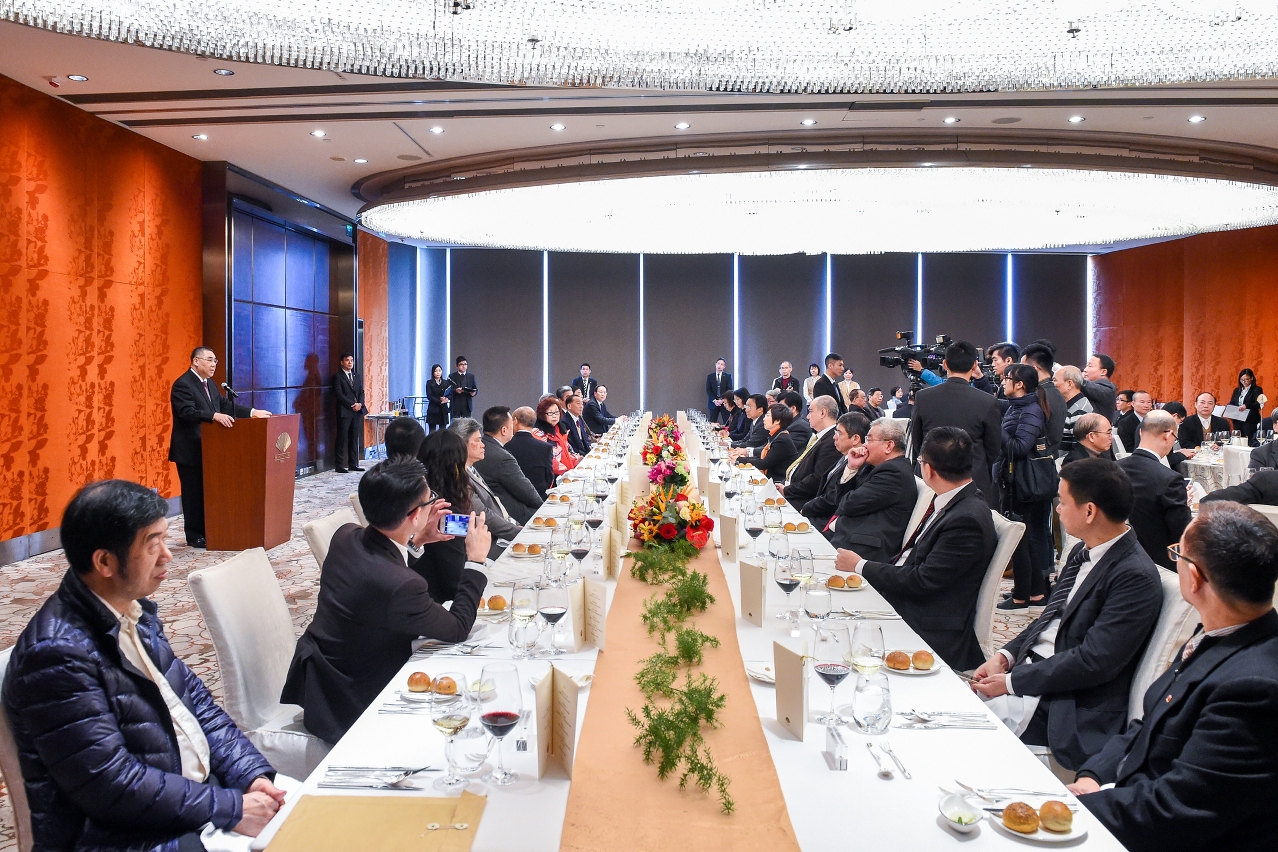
(953,807)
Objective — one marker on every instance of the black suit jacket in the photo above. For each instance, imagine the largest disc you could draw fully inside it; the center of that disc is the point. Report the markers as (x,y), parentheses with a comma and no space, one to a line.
(371,607)
(954,402)
(821,508)
(348,393)
(535,459)
(1248,426)
(1104,628)
(1160,511)
(1261,488)
(824,387)
(714,391)
(1079,452)
(1266,455)
(578,433)
(1190,433)
(800,432)
(587,387)
(1103,396)
(757,436)
(1127,428)
(784,385)
(505,479)
(191,407)
(597,416)
(1200,770)
(464,390)
(809,475)
(873,515)
(935,590)
(775,456)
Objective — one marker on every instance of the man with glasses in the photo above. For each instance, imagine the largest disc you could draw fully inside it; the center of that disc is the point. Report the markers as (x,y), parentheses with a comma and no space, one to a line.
(1093,438)
(872,516)
(195,400)
(1160,511)
(372,605)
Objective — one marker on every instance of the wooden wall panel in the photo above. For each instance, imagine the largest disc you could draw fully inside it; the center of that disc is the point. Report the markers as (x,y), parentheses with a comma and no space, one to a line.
(374,281)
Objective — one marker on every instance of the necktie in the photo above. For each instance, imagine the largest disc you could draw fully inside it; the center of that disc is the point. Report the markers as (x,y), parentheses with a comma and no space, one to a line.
(1064,585)
(811,443)
(204,384)
(931,509)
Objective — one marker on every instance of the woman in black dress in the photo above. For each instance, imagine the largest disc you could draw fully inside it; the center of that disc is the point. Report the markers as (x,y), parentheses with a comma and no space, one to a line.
(439,390)
(1247,395)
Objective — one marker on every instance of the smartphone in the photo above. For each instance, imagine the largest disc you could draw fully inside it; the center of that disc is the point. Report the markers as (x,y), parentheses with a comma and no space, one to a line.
(455,525)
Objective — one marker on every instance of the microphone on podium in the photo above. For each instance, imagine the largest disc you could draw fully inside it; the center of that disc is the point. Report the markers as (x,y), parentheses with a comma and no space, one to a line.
(229,391)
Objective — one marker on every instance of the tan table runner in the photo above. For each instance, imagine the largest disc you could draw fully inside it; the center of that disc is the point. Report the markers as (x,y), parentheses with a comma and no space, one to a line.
(616,801)
(380,824)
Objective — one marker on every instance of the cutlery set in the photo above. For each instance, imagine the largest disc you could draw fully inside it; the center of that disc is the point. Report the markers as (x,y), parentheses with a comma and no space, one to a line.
(370,777)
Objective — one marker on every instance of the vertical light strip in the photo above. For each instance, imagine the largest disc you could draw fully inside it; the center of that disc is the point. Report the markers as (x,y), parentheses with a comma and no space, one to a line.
(828,317)
(420,323)
(545,322)
(643,352)
(448,308)
(1010,300)
(736,320)
(1089,345)
(918,300)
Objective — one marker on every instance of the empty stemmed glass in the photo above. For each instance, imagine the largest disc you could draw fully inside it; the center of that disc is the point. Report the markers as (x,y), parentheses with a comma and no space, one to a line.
(831,655)
(450,713)
(779,548)
(746,489)
(501,703)
(552,606)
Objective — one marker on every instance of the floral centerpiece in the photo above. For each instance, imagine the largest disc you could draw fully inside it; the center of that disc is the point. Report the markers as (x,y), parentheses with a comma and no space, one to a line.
(669,515)
(664,454)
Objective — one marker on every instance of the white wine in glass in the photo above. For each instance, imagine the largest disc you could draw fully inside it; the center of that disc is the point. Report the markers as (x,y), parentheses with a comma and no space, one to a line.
(867,648)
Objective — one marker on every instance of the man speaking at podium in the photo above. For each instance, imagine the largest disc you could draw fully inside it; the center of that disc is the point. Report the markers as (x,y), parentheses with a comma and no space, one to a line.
(196,400)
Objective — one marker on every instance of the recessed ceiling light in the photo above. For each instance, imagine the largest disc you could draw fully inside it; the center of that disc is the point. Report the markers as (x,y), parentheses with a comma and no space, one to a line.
(318,134)
(360,160)
(556,127)
(683,125)
(808,122)
(1193,119)
(224,72)
(951,120)
(437,130)
(78,78)
(929,165)
(1076,119)
(203,137)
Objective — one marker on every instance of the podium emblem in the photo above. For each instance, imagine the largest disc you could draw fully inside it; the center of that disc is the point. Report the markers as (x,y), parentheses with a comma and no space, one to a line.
(282,443)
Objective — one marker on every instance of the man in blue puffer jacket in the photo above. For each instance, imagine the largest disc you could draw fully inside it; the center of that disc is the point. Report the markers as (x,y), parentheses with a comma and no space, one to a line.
(122,746)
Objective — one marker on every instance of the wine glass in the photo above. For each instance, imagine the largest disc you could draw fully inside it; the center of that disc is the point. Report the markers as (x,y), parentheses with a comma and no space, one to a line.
(579,544)
(831,655)
(772,519)
(753,523)
(788,583)
(450,713)
(502,704)
(602,489)
(867,648)
(816,598)
(731,488)
(524,633)
(802,562)
(779,548)
(746,488)
(872,703)
(559,552)
(552,606)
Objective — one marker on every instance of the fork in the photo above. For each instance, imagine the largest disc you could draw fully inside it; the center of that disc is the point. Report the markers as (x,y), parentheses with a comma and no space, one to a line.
(932,726)
(991,793)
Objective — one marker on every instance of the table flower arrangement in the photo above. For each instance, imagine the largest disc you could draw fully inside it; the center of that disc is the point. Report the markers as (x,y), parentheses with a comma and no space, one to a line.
(668,515)
(663,442)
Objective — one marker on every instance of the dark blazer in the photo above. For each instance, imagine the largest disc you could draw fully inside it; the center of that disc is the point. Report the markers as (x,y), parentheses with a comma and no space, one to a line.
(535,459)
(1200,770)
(824,387)
(954,402)
(757,436)
(1079,452)
(1103,396)
(349,393)
(371,607)
(784,385)
(1261,488)
(436,411)
(1248,426)
(737,425)
(597,416)
(1086,683)
(775,456)
(873,515)
(1266,455)
(821,508)
(578,433)
(464,390)
(1160,511)
(1127,429)
(1190,433)
(504,478)
(808,477)
(935,590)
(191,407)
(800,432)
(587,387)
(714,391)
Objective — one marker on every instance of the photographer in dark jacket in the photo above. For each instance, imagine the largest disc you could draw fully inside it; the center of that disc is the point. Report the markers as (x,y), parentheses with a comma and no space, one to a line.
(122,747)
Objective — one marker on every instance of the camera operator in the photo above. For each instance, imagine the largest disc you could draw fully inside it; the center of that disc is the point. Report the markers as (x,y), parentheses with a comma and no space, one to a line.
(957,403)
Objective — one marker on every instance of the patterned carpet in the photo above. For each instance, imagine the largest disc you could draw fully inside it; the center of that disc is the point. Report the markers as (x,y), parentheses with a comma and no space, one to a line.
(25,585)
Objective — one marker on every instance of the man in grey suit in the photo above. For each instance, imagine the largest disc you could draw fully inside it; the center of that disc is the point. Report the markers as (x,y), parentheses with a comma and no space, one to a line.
(500,470)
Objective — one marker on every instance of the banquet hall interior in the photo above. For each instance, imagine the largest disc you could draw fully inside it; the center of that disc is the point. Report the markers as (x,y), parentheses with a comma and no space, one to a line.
(660,199)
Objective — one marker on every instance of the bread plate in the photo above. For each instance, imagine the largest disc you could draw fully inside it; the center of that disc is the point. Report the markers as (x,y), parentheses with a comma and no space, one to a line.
(762,673)
(1076,831)
(911,671)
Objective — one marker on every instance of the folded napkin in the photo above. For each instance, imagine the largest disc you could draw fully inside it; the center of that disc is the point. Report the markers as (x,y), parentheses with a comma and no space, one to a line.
(223,840)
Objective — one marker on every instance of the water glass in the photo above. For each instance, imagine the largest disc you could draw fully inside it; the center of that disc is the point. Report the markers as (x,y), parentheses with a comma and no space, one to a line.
(816,599)
(872,703)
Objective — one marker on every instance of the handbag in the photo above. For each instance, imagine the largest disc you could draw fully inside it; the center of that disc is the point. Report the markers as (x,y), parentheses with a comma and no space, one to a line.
(1033,479)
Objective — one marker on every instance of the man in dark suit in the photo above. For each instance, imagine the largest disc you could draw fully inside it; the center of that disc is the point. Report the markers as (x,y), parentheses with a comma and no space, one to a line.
(718,385)
(1064,682)
(372,605)
(584,384)
(785,382)
(1261,488)
(1266,455)
(1202,422)
(933,583)
(1200,769)
(597,416)
(872,516)
(1098,386)
(849,434)
(1093,438)
(464,389)
(827,383)
(501,471)
(578,432)
(755,406)
(535,457)
(955,402)
(817,458)
(404,436)
(348,389)
(1161,510)
(800,429)
(859,402)
(195,400)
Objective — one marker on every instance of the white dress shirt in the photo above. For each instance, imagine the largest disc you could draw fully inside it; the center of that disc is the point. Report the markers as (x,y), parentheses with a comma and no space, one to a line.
(939,502)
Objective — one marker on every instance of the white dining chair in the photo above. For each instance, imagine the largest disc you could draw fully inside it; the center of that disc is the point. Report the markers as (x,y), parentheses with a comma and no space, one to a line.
(359,511)
(1176,623)
(12,770)
(1009,535)
(1270,512)
(252,631)
(1119,450)
(921,502)
(1236,460)
(319,533)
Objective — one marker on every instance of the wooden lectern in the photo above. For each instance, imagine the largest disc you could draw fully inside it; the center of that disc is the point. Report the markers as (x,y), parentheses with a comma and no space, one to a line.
(249,471)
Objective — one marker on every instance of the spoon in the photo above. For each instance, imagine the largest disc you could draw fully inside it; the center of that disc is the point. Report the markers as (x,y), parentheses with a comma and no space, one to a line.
(884,772)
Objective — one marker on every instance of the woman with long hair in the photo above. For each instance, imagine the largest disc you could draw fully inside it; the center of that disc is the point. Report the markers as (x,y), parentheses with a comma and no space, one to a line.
(1247,396)
(439,392)
(441,562)
(1023,425)
(550,428)
(739,427)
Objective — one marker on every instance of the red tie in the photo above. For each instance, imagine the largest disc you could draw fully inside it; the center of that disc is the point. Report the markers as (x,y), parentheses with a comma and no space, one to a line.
(931,507)
(204,384)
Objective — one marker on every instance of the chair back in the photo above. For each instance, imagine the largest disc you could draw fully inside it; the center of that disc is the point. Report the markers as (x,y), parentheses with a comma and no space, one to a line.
(11,769)
(1236,462)
(1009,535)
(925,496)
(319,533)
(1119,450)
(1176,623)
(1270,512)
(252,632)
(359,510)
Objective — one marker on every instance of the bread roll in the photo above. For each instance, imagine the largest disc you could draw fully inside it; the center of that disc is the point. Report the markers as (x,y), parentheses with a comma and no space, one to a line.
(419,682)
(519,547)
(836,582)
(482,602)
(551,522)
(1020,817)
(922,660)
(853,581)
(769,502)
(497,603)
(898,660)
(1055,816)
(534,550)
(790,526)
(537,522)
(804,526)
(446,686)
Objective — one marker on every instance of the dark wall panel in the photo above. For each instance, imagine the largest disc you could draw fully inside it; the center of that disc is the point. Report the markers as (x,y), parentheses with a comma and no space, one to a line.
(496,324)
(782,316)
(872,297)
(1050,301)
(594,317)
(688,324)
(401,293)
(964,296)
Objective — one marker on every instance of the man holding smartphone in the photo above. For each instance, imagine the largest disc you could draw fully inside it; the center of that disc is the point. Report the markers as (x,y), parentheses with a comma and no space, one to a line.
(372,605)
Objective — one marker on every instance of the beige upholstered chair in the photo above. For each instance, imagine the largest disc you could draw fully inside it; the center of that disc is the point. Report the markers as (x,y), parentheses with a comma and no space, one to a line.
(12,771)
(320,533)
(920,505)
(1009,535)
(1270,512)
(1176,623)
(1236,460)
(252,633)
(359,511)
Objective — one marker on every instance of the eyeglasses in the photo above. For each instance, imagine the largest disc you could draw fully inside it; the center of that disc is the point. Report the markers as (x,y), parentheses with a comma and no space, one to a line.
(1173,552)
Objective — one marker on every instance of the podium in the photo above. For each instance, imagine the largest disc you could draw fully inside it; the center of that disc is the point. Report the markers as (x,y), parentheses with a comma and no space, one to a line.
(249,471)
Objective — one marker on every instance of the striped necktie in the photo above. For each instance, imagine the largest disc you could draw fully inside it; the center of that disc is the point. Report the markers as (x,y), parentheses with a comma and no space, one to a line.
(789,471)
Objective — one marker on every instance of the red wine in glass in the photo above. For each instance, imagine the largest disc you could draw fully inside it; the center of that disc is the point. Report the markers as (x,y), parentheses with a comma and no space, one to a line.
(552,614)
(579,553)
(754,532)
(788,586)
(832,673)
(499,723)
(594,523)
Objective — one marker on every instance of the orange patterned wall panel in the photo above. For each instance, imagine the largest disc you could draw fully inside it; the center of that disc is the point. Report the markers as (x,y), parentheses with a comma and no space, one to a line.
(374,306)
(99,303)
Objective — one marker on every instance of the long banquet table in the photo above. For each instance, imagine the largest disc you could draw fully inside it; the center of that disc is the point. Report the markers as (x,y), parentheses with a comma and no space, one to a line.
(826,809)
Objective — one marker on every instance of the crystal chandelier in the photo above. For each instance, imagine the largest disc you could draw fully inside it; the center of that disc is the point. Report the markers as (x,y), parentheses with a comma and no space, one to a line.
(841,211)
(805,46)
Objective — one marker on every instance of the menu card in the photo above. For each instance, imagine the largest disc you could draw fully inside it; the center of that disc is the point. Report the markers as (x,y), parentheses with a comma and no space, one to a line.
(754,584)
(557,695)
(596,612)
(577,614)
(792,689)
(638,480)
(728,537)
(703,478)
(714,496)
